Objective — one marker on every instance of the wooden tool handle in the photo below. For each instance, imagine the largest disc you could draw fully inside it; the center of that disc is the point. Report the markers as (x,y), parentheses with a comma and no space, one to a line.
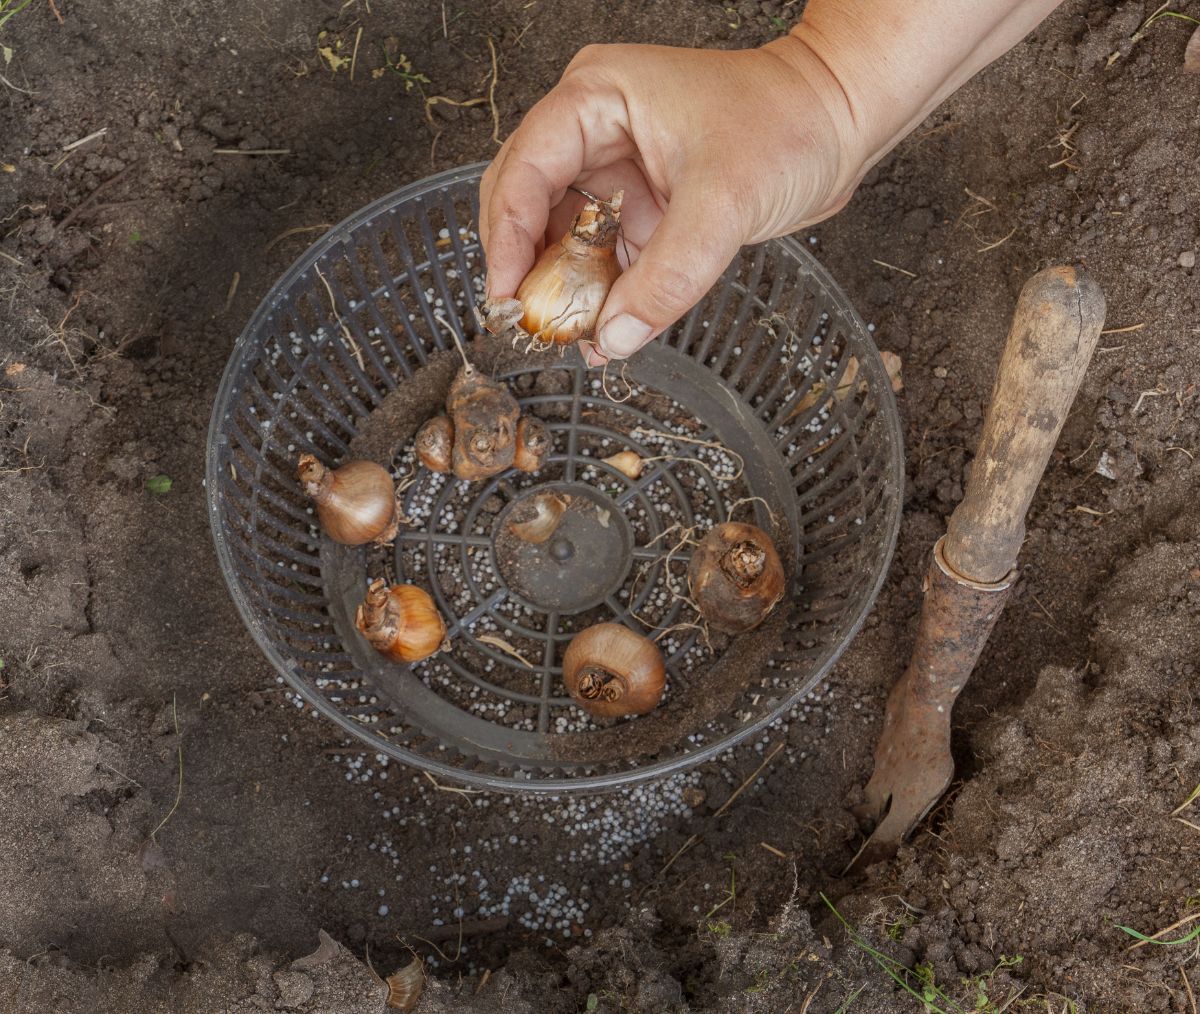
(1059,315)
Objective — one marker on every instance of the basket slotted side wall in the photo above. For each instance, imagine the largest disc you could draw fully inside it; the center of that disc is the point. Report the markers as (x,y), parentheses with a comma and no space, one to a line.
(371,302)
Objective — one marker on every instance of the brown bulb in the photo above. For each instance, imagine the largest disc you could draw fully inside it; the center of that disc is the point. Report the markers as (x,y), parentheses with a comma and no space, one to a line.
(435,443)
(628,463)
(400,621)
(611,671)
(533,444)
(562,294)
(484,414)
(356,503)
(735,577)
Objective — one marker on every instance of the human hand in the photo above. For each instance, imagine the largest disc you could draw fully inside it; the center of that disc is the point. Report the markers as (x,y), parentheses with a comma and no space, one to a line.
(713,150)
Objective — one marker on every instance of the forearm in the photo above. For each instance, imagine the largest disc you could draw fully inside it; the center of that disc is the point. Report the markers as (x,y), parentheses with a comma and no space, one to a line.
(888,63)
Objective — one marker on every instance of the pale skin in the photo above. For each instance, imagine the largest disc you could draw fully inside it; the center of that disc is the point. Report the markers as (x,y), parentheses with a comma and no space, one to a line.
(716,149)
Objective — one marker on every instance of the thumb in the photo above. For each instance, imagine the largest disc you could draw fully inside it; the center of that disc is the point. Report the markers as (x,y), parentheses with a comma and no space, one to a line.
(688,251)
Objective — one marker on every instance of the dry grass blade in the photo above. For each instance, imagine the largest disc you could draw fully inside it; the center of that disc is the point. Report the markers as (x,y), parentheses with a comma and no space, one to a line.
(1188,986)
(295,231)
(179,790)
(893,267)
(496,641)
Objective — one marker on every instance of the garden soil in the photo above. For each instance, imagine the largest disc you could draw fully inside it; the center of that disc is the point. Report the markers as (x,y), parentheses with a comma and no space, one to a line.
(176,831)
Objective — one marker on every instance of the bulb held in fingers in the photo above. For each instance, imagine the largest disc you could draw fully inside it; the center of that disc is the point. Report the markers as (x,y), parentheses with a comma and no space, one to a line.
(564,291)
(611,671)
(735,577)
(356,503)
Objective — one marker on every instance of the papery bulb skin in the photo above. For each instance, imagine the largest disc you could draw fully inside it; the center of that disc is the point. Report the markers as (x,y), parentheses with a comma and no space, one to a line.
(611,672)
(564,291)
(356,503)
(401,622)
(735,577)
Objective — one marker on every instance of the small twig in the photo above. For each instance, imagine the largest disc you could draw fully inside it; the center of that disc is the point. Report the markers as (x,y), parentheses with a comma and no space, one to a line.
(83,206)
(885,264)
(84,140)
(15,88)
(354,55)
(749,781)
(498,642)
(450,788)
(233,287)
(1080,509)
(1154,392)
(1165,930)
(1124,330)
(1049,615)
(1194,827)
(1188,986)
(341,323)
(1181,450)
(773,850)
(295,231)
(252,151)
(470,928)
(54,8)
(812,996)
(179,790)
(999,242)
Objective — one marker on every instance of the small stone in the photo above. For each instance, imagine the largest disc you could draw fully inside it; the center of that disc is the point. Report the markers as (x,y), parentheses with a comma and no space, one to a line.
(940,372)
(1187,259)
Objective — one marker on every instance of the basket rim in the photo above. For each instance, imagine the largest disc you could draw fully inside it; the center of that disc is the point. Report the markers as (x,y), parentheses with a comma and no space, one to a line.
(517,781)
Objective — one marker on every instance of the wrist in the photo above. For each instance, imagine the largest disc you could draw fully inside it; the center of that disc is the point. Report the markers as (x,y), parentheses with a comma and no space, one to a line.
(818,81)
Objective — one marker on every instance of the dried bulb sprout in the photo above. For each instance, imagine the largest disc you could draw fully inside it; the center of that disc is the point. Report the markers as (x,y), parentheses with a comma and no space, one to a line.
(549,509)
(563,292)
(404,986)
(533,444)
(610,671)
(435,443)
(735,577)
(401,621)
(484,415)
(356,503)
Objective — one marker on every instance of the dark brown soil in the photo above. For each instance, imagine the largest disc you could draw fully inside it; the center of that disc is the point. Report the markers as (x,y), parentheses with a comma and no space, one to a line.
(131,263)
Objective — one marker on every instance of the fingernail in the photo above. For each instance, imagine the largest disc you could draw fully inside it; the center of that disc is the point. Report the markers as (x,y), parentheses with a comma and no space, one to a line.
(623,335)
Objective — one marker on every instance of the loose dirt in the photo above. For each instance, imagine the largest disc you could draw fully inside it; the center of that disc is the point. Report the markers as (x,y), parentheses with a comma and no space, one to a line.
(177,830)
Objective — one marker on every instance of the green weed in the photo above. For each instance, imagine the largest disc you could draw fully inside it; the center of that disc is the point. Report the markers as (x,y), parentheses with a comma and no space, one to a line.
(920,982)
(1194,934)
